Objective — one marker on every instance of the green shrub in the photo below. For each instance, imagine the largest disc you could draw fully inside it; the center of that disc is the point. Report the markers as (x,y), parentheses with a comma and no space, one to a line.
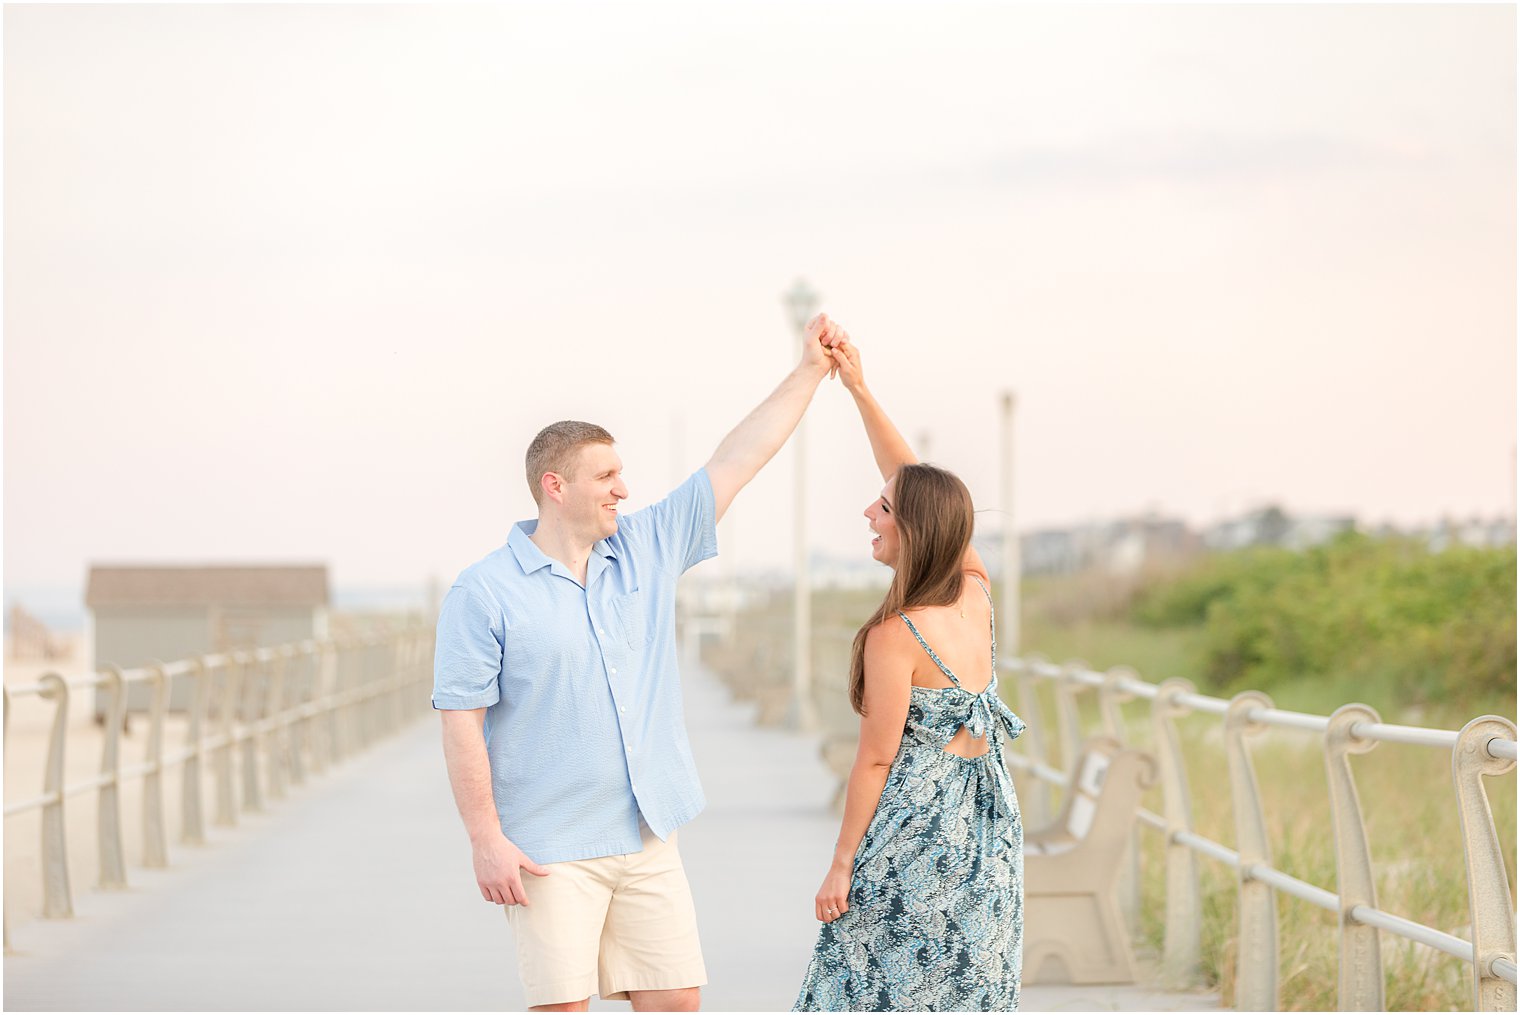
(1421,626)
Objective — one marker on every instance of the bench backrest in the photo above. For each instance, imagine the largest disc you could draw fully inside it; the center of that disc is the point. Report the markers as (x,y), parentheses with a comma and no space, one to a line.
(1082,804)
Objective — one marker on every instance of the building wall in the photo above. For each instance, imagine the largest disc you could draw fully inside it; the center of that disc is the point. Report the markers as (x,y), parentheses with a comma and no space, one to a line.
(259,627)
(130,636)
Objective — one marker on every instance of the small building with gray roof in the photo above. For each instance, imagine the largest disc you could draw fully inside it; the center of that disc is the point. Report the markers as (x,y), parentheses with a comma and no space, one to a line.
(140,613)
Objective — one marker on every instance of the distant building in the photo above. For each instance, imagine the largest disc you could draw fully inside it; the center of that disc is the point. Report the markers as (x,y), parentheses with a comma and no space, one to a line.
(1474,531)
(1118,547)
(1266,526)
(140,614)
(1313,530)
(1049,551)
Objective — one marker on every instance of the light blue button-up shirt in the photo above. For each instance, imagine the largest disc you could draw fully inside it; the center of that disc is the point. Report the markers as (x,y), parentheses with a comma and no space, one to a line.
(584,726)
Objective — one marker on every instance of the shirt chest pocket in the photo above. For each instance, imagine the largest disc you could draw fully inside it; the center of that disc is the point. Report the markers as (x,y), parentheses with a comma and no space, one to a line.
(631,614)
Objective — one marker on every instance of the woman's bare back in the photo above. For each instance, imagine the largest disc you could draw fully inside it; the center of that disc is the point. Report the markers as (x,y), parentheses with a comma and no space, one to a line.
(960,637)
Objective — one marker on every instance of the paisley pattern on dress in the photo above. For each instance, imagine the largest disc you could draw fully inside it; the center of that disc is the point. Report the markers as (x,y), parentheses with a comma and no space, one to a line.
(936,916)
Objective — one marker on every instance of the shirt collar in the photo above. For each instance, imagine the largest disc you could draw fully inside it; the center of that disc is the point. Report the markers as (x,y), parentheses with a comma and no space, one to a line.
(528,555)
(530,558)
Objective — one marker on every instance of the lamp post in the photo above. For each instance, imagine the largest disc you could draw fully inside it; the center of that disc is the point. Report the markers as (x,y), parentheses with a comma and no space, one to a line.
(1008,637)
(801,304)
(1037,802)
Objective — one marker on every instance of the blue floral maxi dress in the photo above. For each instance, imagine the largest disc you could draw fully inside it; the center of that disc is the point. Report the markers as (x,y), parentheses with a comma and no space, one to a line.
(936,915)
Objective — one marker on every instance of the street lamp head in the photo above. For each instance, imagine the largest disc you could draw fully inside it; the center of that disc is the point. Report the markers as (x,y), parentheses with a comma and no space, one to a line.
(801,304)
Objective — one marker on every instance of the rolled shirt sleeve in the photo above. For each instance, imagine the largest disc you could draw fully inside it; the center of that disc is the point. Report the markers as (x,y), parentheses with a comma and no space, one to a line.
(683,527)
(468,655)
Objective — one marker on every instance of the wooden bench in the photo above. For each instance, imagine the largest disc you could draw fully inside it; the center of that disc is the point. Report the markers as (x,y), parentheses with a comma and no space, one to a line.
(1073,930)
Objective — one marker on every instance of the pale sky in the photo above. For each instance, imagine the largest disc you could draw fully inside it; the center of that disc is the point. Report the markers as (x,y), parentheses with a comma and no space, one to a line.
(301,283)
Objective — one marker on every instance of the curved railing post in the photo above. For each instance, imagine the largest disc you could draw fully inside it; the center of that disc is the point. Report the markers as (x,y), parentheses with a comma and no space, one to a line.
(1493,919)
(113,867)
(1181,960)
(332,690)
(277,744)
(251,737)
(368,676)
(358,671)
(298,682)
(192,824)
(1068,718)
(1256,971)
(5,739)
(395,675)
(155,848)
(1361,962)
(337,672)
(345,687)
(1036,802)
(1110,696)
(227,707)
(321,718)
(57,899)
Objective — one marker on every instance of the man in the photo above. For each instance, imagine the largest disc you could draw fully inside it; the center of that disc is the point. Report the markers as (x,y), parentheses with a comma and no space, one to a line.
(555,675)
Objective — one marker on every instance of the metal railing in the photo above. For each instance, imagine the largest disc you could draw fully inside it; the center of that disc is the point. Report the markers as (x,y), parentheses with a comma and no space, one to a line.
(263,720)
(1484,747)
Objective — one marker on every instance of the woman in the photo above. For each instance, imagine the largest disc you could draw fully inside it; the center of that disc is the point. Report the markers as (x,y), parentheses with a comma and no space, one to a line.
(922,908)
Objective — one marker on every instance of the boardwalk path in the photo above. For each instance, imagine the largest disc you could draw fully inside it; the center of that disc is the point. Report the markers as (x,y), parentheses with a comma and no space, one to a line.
(356,893)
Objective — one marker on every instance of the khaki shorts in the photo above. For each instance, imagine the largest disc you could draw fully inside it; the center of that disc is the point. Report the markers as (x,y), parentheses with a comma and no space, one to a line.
(607,926)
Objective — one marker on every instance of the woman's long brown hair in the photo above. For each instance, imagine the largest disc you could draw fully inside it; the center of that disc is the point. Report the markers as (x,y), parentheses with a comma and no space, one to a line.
(934,522)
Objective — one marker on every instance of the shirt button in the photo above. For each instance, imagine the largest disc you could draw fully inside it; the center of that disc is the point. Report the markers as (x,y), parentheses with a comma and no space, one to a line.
(614,671)
(621,709)
(600,631)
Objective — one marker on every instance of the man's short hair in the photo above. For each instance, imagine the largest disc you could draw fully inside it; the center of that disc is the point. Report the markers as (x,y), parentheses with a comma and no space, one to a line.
(555,448)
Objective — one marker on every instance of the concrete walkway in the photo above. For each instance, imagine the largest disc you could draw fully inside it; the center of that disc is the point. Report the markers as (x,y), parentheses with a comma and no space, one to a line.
(356,894)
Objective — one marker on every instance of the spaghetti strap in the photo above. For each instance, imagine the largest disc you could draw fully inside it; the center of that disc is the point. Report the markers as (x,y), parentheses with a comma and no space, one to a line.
(937,662)
(991,626)
(985,590)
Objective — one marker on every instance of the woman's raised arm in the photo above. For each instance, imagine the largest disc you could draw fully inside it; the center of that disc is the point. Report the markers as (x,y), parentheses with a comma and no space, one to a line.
(887,444)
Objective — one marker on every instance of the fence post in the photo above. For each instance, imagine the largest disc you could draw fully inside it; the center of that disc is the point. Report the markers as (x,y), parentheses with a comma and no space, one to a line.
(1037,803)
(321,716)
(396,656)
(5,921)
(1068,719)
(1360,985)
(368,660)
(226,797)
(57,900)
(1110,696)
(250,739)
(1493,921)
(155,849)
(277,738)
(1256,971)
(298,684)
(113,873)
(1181,953)
(342,714)
(192,826)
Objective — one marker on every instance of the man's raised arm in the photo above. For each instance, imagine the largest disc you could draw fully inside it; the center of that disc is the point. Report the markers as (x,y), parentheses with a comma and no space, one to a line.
(760,435)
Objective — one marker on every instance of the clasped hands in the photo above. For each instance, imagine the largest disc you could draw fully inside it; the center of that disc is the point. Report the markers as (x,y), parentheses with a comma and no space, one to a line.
(826,343)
